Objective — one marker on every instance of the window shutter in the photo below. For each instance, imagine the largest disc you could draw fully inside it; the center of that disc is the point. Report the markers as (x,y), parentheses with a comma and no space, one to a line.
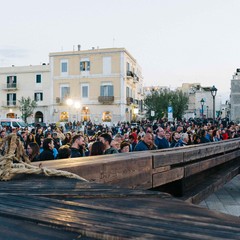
(81,66)
(8,97)
(14,96)
(15,79)
(102,91)
(8,78)
(110,90)
(35,97)
(41,95)
(88,66)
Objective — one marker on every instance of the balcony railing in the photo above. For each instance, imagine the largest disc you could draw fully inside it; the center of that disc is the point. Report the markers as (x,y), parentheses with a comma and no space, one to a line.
(61,100)
(135,78)
(9,104)
(10,86)
(106,99)
(129,100)
(130,74)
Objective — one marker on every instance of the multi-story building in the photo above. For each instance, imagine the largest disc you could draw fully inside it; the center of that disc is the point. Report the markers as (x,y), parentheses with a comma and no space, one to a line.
(26,81)
(104,85)
(235,96)
(196,93)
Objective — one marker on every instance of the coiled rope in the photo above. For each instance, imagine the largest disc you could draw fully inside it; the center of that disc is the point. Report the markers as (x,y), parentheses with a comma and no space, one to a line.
(13,151)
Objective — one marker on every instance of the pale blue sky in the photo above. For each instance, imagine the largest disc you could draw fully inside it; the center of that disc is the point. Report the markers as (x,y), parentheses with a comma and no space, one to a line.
(174,41)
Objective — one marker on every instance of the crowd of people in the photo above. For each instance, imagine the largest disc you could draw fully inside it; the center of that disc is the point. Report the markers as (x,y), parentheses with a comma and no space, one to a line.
(88,139)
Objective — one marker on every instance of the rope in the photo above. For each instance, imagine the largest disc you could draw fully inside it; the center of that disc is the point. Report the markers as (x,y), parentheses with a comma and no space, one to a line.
(14,150)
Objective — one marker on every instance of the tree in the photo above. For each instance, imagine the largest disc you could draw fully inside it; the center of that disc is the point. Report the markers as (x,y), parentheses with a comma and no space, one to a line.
(27,107)
(159,101)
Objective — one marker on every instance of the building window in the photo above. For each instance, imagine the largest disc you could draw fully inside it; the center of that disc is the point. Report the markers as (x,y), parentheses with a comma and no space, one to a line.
(11,81)
(64,66)
(11,99)
(128,66)
(38,78)
(85,66)
(107,65)
(38,97)
(64,92)
(106,90)
(127,92)
(85,91)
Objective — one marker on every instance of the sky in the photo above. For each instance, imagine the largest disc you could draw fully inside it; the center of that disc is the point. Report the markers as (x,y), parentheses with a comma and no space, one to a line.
(174,41)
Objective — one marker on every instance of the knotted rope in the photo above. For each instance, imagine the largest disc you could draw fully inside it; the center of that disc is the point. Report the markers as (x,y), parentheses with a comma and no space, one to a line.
(13,150)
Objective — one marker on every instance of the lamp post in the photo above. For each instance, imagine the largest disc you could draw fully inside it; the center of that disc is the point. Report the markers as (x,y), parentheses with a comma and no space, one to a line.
(213,90)
(202,103)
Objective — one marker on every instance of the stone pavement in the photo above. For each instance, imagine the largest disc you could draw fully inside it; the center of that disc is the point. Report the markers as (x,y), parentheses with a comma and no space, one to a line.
(225,200)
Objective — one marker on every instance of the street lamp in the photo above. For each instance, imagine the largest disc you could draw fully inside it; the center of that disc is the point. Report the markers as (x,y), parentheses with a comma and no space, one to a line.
(213,90)
(202,103)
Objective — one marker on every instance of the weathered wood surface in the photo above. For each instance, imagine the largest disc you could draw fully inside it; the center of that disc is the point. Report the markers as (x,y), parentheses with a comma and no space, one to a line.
(74,210)
(150,169)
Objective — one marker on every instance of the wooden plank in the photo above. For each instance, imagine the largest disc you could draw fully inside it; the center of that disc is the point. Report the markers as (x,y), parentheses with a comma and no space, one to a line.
(12,229)
(210,185)
(194,154)
(63,187)
(167,158)
(203,165)
(168,176)
(141,218)
(231,145)
(133,173)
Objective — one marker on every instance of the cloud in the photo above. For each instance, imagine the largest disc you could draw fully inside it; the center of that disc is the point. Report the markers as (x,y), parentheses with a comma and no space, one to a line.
(11,55)
(13,52)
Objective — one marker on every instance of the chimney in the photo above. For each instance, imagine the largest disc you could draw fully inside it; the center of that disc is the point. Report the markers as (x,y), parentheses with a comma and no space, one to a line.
(79,47)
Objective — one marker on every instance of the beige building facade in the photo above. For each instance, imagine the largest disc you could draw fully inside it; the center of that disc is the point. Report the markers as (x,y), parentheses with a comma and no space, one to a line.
(101,85)
(26,81)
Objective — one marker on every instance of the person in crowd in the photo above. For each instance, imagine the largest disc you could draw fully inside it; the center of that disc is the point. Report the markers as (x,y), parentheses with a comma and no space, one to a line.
(68,138)
(168,137)
(106,139)
(203,138)
(30,138)
(215,136)
(97,148)
(2,135)
(77,147)
(115,144)
(224,135)
(160,141)
(135,134)
(64,152)
(47,153)
(132,143)
(124,147)
(183,141)
(175,138)
(38,136)
(146,144)
(33,151)
(141,132)
(56,140)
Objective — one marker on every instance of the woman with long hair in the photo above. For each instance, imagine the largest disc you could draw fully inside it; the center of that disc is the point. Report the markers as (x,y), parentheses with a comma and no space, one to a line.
(33,151)
(97,148)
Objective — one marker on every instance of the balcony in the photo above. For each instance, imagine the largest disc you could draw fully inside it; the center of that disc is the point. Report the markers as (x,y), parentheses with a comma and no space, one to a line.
(9,104)
(61,100)
(10,86)
(130,74)
(129,100)
(106,99)
(135,78)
